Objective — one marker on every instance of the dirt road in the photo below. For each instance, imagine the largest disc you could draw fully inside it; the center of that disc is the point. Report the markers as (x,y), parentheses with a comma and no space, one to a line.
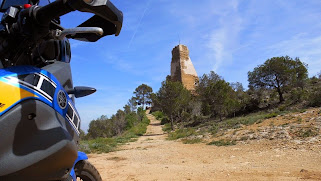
(153,157)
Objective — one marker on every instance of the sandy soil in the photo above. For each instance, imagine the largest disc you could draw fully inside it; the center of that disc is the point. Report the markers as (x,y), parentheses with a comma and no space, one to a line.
(153,157)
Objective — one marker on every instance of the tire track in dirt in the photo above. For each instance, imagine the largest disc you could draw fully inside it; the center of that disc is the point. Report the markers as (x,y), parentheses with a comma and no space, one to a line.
(152,157)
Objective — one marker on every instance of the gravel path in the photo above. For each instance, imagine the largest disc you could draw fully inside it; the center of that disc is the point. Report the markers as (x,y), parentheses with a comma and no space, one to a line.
(153,157)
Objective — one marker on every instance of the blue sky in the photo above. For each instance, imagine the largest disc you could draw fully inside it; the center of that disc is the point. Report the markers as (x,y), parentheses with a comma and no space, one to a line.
(229,37)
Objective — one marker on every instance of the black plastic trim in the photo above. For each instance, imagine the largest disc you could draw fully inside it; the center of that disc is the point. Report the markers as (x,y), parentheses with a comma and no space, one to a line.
(37,147)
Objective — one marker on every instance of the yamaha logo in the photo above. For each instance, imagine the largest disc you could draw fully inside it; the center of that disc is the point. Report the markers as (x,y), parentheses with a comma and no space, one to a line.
(62,99)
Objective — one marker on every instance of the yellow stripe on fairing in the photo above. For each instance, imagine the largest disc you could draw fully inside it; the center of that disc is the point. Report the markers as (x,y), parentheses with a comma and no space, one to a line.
(10,94)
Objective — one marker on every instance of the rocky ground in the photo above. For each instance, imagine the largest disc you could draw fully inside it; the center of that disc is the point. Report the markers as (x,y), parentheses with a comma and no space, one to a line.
(281,148)
(293,129)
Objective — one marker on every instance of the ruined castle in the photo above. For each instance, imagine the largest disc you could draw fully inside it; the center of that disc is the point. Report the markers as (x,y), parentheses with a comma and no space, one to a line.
(182,68)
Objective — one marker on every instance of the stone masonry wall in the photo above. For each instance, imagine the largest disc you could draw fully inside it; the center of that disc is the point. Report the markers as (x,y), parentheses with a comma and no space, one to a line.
(182,68)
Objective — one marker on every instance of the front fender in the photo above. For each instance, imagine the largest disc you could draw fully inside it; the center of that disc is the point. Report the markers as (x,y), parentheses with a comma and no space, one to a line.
(81,156)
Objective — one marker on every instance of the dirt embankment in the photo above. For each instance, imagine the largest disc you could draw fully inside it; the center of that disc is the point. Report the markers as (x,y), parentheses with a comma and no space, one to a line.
(153,157)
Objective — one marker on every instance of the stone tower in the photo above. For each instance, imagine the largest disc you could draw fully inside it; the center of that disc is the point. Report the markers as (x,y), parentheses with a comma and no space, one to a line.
(182,68)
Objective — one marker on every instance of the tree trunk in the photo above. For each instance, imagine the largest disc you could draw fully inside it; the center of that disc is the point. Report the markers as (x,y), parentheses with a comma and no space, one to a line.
(172,123)
(220,112)
(143,101)
(278,87)
(280,94)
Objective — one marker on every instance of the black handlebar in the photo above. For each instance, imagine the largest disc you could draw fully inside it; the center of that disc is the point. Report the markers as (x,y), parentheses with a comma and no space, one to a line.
(34,22)
(55,9)
(107,16)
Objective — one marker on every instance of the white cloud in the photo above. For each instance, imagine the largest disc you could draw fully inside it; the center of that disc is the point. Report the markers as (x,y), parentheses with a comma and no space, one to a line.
(119,64)
(223,41)
(139,23)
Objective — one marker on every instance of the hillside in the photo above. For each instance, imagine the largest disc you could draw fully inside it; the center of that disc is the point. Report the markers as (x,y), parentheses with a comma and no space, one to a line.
(298,128)
(285,147)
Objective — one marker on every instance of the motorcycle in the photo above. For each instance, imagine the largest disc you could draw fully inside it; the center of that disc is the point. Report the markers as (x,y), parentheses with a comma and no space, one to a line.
(39,123)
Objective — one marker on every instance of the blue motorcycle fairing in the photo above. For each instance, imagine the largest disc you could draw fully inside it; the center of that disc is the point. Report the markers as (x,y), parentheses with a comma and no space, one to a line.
(11,76)
(81,156)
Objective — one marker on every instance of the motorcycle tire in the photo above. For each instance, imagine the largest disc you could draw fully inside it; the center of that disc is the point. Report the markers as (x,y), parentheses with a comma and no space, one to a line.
(85,171)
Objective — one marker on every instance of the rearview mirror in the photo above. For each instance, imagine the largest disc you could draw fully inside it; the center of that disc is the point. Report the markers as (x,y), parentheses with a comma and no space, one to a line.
(81,91)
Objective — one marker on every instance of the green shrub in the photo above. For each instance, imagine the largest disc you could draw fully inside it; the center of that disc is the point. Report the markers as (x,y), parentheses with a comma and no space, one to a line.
(314,98)
(164,120)
(105,145)
(84,147)
(131,119)
(158,115)
(298,94)
(232,123)
(140,129)
(244,138)
(191,140)
(181,133)
(305,133)
(251,119)
(167,127)
(244,120)
(237,122)
(282,108)
(186,117)
(98,145)
(222,143)
(161,116)
(214,129)
(270,115)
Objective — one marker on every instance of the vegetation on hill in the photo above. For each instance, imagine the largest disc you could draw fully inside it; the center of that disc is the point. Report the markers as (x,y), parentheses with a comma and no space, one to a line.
(278,86)
(108,144)
(143,95)
(104,134)
(280,74)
